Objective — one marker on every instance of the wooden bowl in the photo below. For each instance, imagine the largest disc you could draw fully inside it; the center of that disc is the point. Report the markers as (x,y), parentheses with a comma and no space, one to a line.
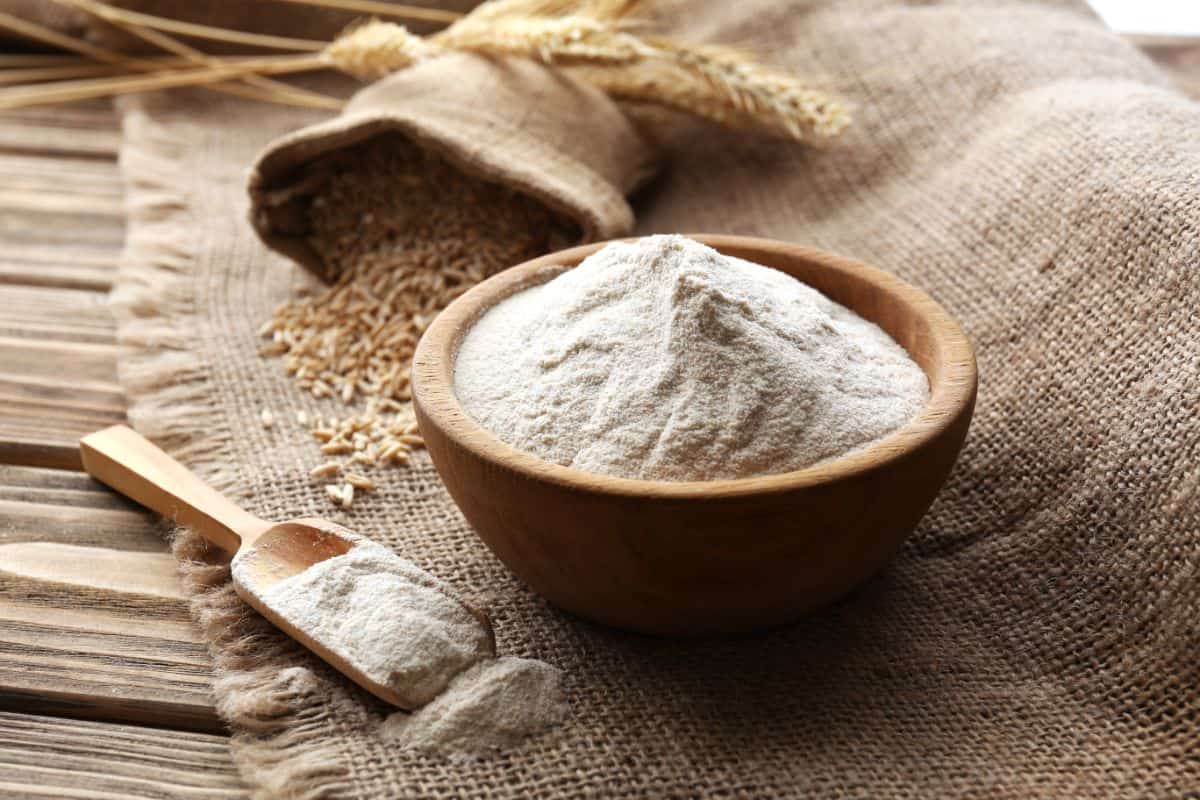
(706,556)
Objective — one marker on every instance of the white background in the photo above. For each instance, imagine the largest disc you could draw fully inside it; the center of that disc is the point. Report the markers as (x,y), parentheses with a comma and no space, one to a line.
(1179,17)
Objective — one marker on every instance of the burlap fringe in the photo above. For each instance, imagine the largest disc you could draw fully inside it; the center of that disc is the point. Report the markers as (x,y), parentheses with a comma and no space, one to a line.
(272,707)
(276,710)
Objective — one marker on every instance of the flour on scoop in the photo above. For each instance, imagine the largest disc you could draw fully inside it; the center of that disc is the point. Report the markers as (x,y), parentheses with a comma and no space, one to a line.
(395,622)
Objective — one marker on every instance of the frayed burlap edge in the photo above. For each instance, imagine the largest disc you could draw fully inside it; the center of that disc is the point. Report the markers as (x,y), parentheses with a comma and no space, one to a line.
(272,707)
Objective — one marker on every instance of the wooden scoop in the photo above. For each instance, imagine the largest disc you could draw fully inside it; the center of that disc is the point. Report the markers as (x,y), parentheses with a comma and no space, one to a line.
(264,553)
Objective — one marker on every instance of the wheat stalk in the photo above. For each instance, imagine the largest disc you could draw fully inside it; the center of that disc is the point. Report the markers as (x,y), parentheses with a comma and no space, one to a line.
(594,40)
(39,60)
(376,8)
(719,84)
(258,87)
(156,76)
(83,69)
(210,32)
(71,91)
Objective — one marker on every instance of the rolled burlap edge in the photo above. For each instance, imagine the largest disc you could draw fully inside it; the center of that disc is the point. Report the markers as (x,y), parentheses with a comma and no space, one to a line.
(508,121)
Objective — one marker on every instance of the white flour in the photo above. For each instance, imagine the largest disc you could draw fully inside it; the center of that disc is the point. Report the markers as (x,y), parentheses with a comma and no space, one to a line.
(494,705)
(662,359)
(394,621)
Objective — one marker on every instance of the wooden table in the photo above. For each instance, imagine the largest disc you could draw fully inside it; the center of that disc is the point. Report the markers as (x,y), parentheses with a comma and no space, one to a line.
(104,682)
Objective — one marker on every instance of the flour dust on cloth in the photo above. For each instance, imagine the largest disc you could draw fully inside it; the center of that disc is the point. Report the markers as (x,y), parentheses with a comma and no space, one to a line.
(1035,637)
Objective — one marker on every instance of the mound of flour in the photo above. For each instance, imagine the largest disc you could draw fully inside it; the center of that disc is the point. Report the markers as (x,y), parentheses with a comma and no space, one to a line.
(663,359)
(493,706)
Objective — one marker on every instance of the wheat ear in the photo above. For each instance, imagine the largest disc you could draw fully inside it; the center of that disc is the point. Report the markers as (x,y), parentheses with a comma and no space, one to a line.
(715,83)
(592,39)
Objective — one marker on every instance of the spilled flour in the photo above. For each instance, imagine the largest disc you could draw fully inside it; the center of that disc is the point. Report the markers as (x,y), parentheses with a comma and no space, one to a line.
(404,628)
(662,359)
(493,706)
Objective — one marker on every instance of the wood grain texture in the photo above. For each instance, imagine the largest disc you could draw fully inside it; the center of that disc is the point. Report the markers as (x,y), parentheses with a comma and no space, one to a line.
(92,618)
(80,130)
(51,758)
(705,556)
(54,268)
(93,622)
(61,229)
(54,314)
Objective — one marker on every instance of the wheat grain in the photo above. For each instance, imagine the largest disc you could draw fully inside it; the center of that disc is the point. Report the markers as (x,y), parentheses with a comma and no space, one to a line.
(402,233)
(326,470)
(360,482)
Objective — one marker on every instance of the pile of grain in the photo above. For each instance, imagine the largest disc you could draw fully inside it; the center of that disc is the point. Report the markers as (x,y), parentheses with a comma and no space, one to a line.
(405,233)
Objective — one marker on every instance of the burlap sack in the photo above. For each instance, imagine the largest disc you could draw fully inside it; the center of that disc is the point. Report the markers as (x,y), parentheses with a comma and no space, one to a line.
(1036,637)
(513,122)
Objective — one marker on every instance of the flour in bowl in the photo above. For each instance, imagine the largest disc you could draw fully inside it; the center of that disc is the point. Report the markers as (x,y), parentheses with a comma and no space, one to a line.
(662,359)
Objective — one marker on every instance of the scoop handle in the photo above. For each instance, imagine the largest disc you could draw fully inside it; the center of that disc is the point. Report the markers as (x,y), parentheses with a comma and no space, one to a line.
(135,467)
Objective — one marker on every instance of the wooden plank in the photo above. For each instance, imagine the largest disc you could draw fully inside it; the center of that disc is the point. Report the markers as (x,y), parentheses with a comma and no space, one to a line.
(47,757)
(26,520)
(58,373)
(65,263)
(93,622)
(87,365)
(34,173)
(58,270)
(60,203)
(42,419)
(58,315)
(32,225)
(79,130)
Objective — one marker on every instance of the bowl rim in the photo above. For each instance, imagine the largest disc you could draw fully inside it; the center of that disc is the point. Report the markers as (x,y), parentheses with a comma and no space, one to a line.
(434,396)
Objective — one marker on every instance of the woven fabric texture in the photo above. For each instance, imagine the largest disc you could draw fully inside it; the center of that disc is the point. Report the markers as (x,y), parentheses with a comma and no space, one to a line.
(514,122)
(1038,634)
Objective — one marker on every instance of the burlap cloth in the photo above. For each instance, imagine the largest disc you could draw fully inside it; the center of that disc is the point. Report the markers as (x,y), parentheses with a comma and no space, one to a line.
(1038,635)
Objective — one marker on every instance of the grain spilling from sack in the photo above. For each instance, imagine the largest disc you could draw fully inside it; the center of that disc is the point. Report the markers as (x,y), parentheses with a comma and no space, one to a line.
(404,233)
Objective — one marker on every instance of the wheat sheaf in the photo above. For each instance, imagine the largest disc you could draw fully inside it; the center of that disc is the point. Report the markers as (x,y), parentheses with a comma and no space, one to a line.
(600,42)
